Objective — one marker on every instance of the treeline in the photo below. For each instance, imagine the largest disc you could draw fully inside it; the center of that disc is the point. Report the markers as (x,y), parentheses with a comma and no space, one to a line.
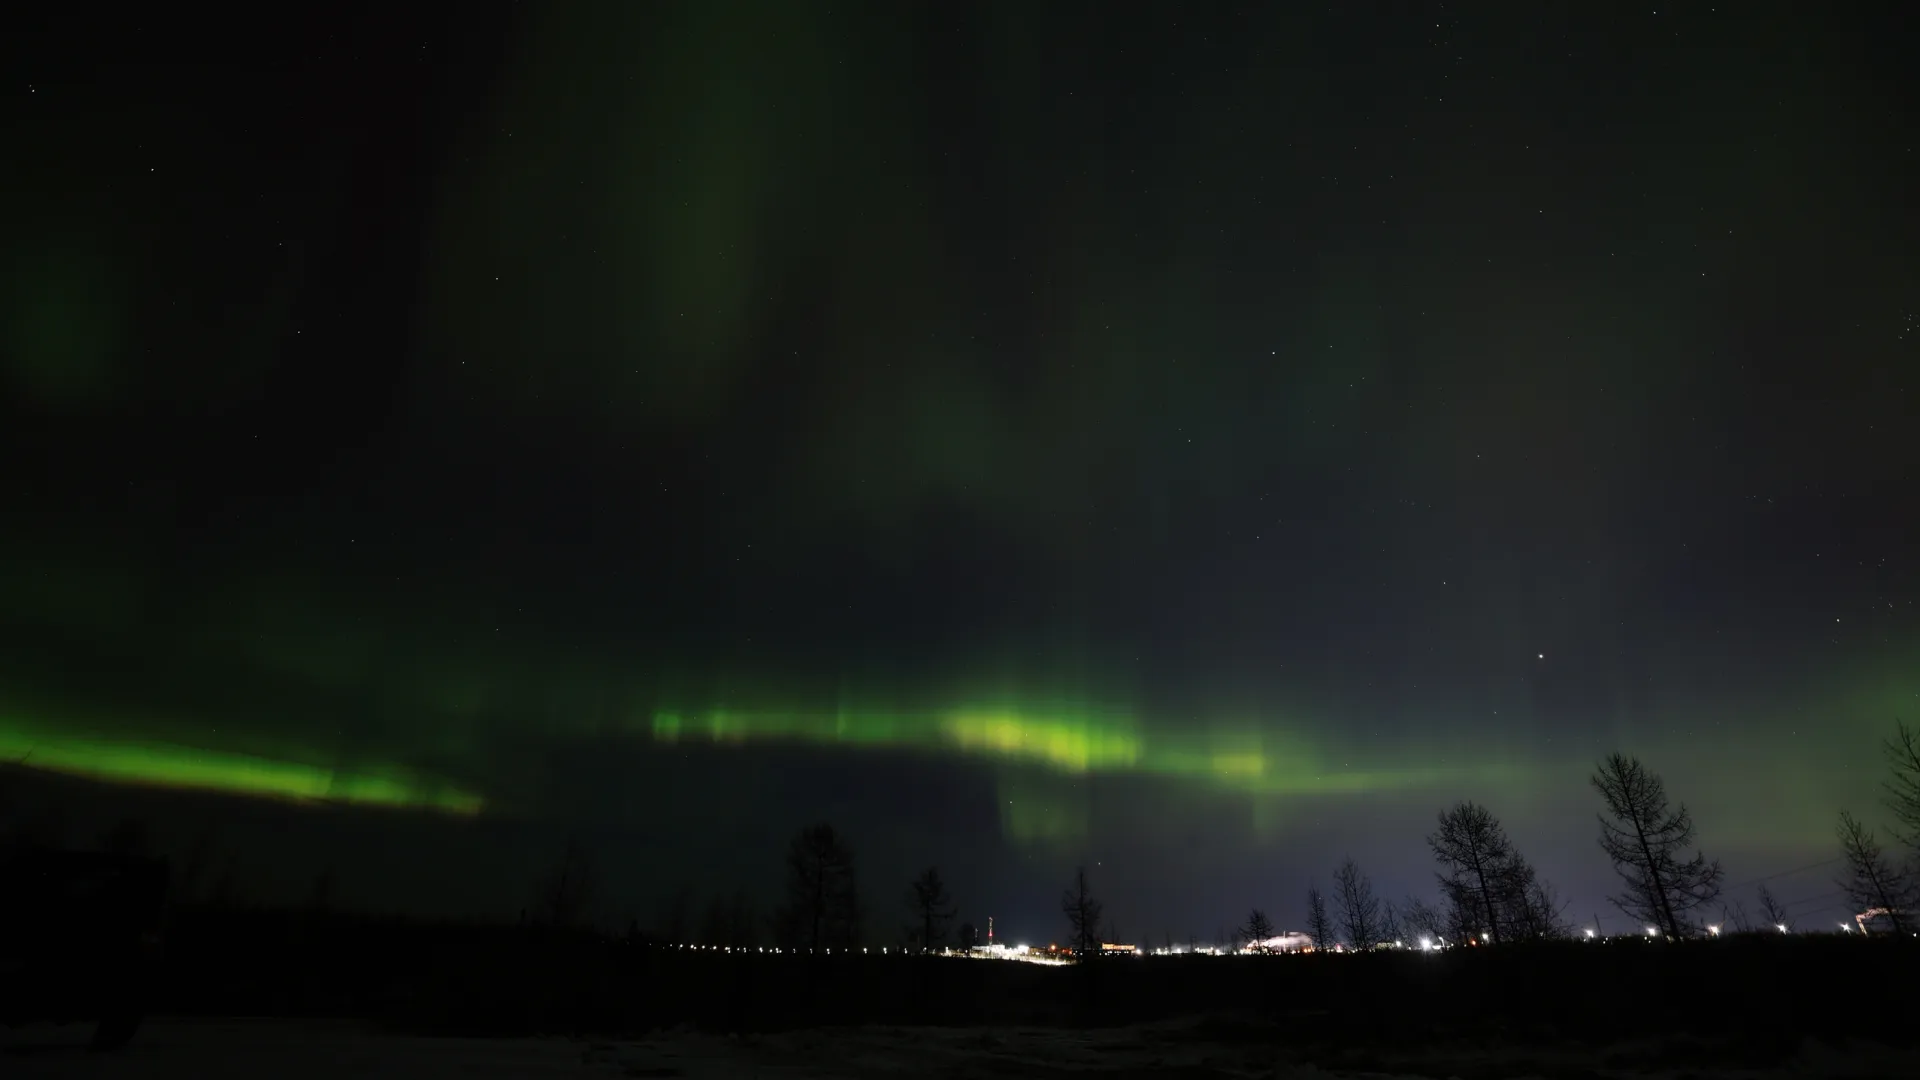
(822,906)
(1487,892)
(1490,894)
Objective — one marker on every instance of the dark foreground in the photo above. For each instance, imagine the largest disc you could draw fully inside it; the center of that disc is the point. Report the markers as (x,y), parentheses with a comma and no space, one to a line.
(310,1050)
(1763,993)
(419,1000)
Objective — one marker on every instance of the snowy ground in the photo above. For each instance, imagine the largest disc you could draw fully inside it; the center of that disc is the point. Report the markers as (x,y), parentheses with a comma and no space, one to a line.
(313,1050)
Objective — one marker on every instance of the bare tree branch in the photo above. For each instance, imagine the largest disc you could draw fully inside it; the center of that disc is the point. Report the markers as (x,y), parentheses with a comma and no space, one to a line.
(1319,926)
(1359,908)
(928,900)
(823,901)
(1873,883)
(1645,839)
(1083,911)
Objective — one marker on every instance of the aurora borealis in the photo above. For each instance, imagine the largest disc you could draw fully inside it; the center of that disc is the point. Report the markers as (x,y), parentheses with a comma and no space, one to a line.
(1198,444)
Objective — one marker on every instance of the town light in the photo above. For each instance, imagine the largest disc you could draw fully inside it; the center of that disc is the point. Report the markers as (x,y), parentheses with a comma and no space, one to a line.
(1782,927)
(1590,932)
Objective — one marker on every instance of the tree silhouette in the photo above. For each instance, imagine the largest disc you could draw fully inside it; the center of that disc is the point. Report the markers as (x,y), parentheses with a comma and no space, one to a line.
(1083,911)
(1420,918)
(931,906)
(1536,911)
(1773,910)
(1359,909)
(1319,926)
(1736,914)
(1259,928)
(1645,840)
(1389,922)
(1903,788)
(564,896)
(823,905)
(1480,872)
(1873,882)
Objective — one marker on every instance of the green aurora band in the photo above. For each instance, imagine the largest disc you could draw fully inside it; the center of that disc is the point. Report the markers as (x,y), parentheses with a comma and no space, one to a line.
(1246,759)
(160,764)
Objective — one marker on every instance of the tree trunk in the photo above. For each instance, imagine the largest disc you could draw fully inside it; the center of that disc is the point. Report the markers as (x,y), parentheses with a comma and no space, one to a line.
(1672,929)
(1486,897)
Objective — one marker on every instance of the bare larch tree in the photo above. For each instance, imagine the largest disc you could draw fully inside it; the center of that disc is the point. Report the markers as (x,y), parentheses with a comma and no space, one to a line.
(1422,919)
(1735,914)
(1873,882)
(564,897)
(1537,912)
(1259,928)
(1359,908)
(1646,839)
(1083,911)
(1903,788)
(931,906)
(1774,911)
(1389,922)
(823,901)
(1480,871)
(1319,926)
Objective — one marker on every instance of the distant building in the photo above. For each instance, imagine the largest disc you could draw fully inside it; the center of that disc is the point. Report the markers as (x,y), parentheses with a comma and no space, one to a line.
(1105,948)
(1881,921)
(1291,941)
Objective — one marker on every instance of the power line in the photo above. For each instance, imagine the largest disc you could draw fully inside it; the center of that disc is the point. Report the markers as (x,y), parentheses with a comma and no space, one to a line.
(1822,898)
(1785,873)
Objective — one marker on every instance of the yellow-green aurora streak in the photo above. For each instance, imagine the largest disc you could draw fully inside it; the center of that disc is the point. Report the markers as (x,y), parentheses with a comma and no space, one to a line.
(171,765)
(1250,759)
(1239,758)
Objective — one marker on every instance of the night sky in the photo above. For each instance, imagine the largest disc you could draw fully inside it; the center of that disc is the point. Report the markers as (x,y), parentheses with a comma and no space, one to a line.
(1196,442)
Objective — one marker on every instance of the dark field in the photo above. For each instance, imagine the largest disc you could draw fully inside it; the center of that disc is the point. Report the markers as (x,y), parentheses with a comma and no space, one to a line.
(1622,1008)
